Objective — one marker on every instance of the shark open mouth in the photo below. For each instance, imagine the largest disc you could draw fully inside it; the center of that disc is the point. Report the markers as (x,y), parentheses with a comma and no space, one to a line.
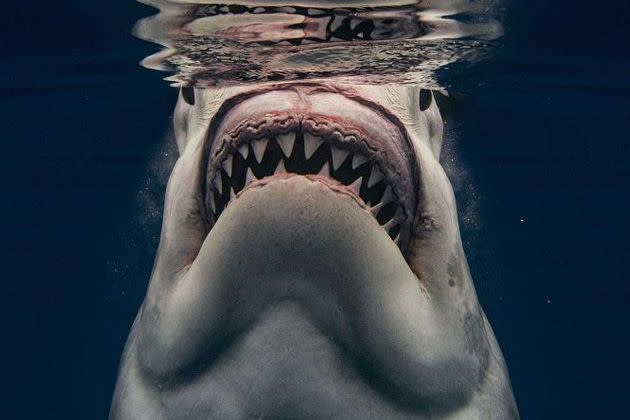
(341,155)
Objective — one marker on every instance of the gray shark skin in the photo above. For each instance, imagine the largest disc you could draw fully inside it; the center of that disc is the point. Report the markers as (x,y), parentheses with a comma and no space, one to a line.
(311,266)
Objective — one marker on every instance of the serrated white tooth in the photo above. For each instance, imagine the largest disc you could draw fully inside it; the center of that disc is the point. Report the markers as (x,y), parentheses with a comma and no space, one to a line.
(213,205)
(227,165)
(232,193)
(243,149)
(336,23)
(388,195)
(311,144)
(393,222)
(354,23)
(357,160)
(259,147)
(397,239)
(218,183)
(250,177)
(356,185)
(338,156)
(376,208)
(375,176)
(286,142)
(280,169)
(325,171)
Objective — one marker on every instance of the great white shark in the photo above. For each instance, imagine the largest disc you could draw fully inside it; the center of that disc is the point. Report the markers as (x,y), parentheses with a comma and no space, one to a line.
(310,266)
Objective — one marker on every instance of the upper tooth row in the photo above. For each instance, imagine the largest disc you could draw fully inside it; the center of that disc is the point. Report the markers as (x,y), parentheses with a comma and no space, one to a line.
(286,142)
(311,144)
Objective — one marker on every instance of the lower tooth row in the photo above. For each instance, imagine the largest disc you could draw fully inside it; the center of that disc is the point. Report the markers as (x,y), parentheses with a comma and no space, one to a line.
(388,195)
(375,177)
(394,221)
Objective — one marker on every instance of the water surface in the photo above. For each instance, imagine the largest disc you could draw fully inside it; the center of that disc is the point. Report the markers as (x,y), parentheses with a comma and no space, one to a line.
(372,41)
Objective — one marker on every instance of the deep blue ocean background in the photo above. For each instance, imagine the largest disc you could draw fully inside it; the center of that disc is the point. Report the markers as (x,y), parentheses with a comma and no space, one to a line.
(539,141)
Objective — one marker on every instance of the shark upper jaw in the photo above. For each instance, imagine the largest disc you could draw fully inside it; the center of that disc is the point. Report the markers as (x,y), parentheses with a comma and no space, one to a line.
(354,147)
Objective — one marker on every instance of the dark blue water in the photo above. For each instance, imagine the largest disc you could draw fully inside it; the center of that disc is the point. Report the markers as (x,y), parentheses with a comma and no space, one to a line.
(540,143)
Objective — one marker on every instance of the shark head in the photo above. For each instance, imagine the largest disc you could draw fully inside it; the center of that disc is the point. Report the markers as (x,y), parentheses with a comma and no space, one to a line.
(311,266)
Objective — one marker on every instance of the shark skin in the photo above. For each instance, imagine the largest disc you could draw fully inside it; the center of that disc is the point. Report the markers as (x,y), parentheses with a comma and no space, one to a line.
(310,266)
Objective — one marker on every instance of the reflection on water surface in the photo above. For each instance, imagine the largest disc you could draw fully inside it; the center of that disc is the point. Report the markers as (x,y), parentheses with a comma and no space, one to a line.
(361,41)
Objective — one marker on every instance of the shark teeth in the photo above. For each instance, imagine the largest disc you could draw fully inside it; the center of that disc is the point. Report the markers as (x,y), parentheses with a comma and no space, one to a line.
(259,147)
(280,169)
(363,175)
(393,221)
(338,157)
(227,165)
(243,149)
(286,142)
(356,185)
(218,184)
(249,177)
(212,203)
(311,144)
(358,159)
(376,208)
(388,195)
(325,170)
(375,176)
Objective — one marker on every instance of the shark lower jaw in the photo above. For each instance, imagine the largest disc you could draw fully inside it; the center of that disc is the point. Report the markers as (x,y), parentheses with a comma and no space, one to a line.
(303,243)
(348,146)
